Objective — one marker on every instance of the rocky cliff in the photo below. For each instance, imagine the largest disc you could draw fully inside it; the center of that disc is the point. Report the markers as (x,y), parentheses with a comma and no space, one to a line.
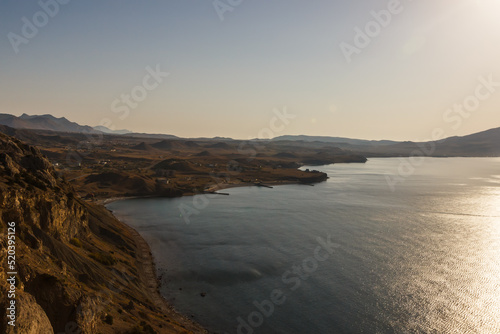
(79,270)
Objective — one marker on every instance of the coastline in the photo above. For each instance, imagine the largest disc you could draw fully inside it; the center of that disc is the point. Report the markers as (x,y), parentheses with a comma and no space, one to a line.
(147,268)
(105,201)
(147,265)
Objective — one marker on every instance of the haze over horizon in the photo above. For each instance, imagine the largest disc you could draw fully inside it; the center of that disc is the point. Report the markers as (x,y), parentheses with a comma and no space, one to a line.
(225,77)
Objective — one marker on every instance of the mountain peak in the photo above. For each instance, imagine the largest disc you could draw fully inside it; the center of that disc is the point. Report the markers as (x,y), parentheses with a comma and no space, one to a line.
(44,122)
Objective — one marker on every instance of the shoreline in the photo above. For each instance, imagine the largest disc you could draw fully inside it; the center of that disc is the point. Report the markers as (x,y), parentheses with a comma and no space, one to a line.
(105,201)
(147,268)
(146,262)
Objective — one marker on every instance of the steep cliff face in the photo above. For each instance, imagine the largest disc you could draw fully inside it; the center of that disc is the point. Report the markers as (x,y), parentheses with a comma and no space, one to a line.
(77,266)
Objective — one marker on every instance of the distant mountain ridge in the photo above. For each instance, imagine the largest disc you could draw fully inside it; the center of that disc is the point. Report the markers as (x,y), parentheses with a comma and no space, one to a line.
(107,130)
(481,144)
(61,124)
(44,122)
(484,143)
(337,140)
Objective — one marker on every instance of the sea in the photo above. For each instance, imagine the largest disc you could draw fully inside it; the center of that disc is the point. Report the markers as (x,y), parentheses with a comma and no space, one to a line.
(395,245)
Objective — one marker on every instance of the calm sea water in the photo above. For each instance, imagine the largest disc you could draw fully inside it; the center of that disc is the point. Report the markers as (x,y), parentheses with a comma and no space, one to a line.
(424,258)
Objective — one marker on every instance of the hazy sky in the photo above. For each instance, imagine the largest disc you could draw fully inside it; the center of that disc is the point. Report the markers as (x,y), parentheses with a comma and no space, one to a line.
(227,75)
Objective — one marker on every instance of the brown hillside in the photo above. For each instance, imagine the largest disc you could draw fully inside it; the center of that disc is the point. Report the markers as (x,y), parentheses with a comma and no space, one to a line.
(78,267)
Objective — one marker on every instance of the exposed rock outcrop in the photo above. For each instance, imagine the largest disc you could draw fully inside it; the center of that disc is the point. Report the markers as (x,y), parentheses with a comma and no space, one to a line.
(31,318)
(77,266)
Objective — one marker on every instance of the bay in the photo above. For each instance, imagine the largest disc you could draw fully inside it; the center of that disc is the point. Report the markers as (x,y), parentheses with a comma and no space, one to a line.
(350,255)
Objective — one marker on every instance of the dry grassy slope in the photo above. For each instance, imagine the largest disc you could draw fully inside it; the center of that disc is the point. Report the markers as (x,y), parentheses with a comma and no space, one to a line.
(80,269)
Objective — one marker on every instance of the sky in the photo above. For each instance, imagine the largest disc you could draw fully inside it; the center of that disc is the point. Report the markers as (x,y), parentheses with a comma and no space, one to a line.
(360,69)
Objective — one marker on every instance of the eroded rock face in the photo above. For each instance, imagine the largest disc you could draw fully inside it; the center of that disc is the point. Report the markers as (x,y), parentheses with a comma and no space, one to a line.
(47,217)
(77,265)
(31,318)
(87,314)
(8,164)
(55,214)
(33,195)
